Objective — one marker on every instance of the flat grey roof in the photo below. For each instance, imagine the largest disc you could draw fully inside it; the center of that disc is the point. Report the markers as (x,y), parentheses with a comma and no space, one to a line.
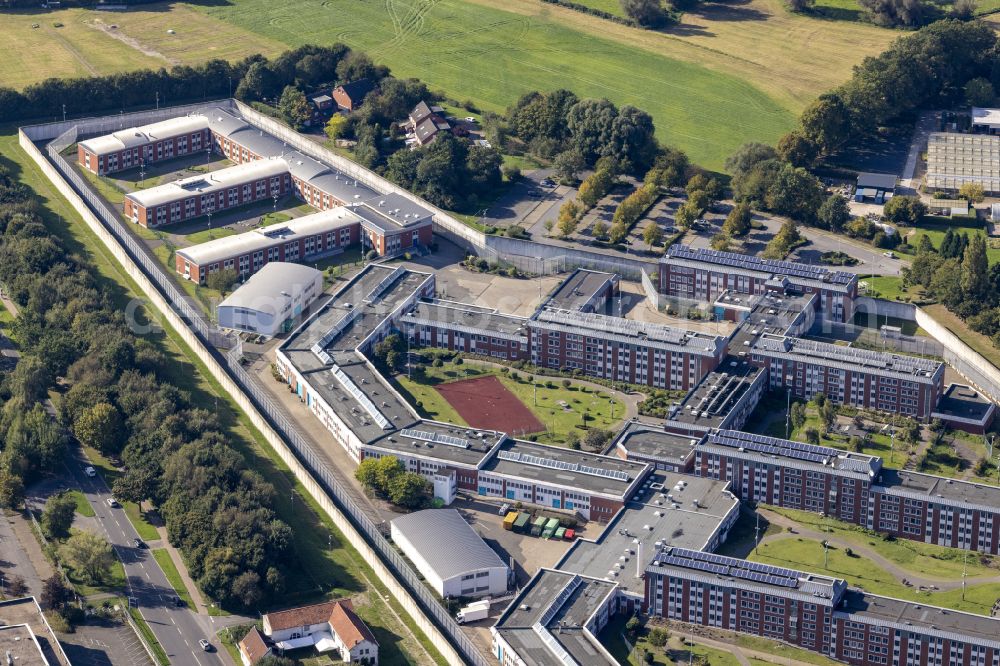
(964,402)
(746,262)
(414,441)
(568,601)
(920,618)
(807,456)
(352,319)
(878,181)
(554,466)
(446,542)
(26,611)
(663,512)
(392,212)
(579,289)
(910,368)
(651,441)
(940,489)
(629,331)
(711,402)
(691,563)
(468,318)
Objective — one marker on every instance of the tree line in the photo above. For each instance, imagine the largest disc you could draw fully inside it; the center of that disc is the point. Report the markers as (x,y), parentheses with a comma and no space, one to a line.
(116,395)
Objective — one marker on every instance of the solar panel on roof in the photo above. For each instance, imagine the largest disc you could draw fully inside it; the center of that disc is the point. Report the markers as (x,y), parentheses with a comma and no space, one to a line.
(528,459)
(748,262)
(699,565)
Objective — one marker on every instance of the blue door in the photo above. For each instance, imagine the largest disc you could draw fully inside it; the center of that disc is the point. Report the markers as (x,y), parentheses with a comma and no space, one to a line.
(510,494)
(555,504)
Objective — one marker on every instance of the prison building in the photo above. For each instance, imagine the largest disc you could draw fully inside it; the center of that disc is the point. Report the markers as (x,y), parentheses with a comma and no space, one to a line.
(704,274)
(737,595)
(934,509)
(301,240)
(675,509)
(882,381)
(193,197)
(584,291)
(490,464)
(815,612)
(556,619)
(650,443)
(323,360)
(392,224)
(130,148)
(724,399)
(623,350)
(789,474)
(467,328)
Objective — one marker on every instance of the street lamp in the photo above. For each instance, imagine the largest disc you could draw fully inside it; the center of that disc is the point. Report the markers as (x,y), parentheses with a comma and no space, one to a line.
(64,112)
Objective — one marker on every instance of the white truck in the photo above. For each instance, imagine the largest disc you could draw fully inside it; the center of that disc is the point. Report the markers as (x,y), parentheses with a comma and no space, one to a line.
(478,610)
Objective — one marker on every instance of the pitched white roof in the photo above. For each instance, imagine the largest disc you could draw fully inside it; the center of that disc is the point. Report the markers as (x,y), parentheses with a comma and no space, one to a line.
(209,183)
(140,136)
(259,239)
(274,285)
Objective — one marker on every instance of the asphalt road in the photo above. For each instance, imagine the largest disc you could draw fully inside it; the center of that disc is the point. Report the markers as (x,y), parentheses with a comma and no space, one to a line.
(178,629)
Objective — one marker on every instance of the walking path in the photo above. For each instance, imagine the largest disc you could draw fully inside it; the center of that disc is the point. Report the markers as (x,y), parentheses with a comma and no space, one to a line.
(914,579)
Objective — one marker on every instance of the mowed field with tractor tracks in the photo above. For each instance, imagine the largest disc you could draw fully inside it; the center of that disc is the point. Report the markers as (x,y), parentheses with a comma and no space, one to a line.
(728,73)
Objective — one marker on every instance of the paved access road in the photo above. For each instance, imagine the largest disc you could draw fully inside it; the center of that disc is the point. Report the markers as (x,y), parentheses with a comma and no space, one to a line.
(178,629)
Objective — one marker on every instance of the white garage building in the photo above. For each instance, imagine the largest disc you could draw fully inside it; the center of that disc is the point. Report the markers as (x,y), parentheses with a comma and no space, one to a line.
(448,553)
(271,299)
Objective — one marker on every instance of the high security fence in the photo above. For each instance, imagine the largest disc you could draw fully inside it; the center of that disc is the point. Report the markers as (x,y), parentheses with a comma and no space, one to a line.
(320,469)
(435,617)
(137,250)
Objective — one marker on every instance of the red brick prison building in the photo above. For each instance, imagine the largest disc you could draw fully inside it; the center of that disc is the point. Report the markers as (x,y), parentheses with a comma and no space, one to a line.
(130,148)
(815,612)
(623,350)
(189,198)
(882,381)
(934,509)
(392,224)
(789,474)
(650,443)
(725,398)
(303,239)
(467,328)
(703,275)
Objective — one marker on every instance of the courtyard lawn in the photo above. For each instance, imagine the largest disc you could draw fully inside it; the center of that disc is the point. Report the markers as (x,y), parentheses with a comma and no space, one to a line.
(917,557)
(935,229)
(807,555)
(594,404)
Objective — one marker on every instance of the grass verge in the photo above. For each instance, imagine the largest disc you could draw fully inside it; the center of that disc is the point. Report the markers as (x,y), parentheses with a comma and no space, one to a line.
(148,638)
(162,557)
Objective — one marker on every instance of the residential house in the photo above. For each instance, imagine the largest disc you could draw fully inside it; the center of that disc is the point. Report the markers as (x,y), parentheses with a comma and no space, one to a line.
(425,123)
(253,647)
(330,626)
(350,96)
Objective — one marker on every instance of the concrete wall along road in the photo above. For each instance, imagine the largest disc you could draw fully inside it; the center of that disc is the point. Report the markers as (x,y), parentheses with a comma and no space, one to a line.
(442,642)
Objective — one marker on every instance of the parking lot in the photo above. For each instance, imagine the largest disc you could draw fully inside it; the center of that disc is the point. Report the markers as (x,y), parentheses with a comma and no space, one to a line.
(102,642)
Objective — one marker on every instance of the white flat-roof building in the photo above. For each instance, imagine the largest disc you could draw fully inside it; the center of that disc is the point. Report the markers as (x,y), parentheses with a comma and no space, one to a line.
(270,301)
(449,554)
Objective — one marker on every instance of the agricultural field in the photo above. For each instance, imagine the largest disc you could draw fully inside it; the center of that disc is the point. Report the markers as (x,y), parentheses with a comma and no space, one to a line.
(77,42)
(726,74)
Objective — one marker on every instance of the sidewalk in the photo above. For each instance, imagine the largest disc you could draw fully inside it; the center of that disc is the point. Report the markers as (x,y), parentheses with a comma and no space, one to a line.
(199,601)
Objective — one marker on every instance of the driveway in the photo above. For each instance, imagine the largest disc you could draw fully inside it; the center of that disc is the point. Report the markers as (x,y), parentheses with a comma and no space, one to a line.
(102,642)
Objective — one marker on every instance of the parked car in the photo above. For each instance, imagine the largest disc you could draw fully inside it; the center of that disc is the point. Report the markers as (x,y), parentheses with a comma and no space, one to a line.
(890,254)
(504,509)
(112,502)
(90,471)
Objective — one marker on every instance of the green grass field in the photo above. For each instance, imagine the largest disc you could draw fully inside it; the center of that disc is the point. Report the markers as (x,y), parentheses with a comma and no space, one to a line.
(807,555)
(494,56)
(610,6)
(82,505)
(558,421)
